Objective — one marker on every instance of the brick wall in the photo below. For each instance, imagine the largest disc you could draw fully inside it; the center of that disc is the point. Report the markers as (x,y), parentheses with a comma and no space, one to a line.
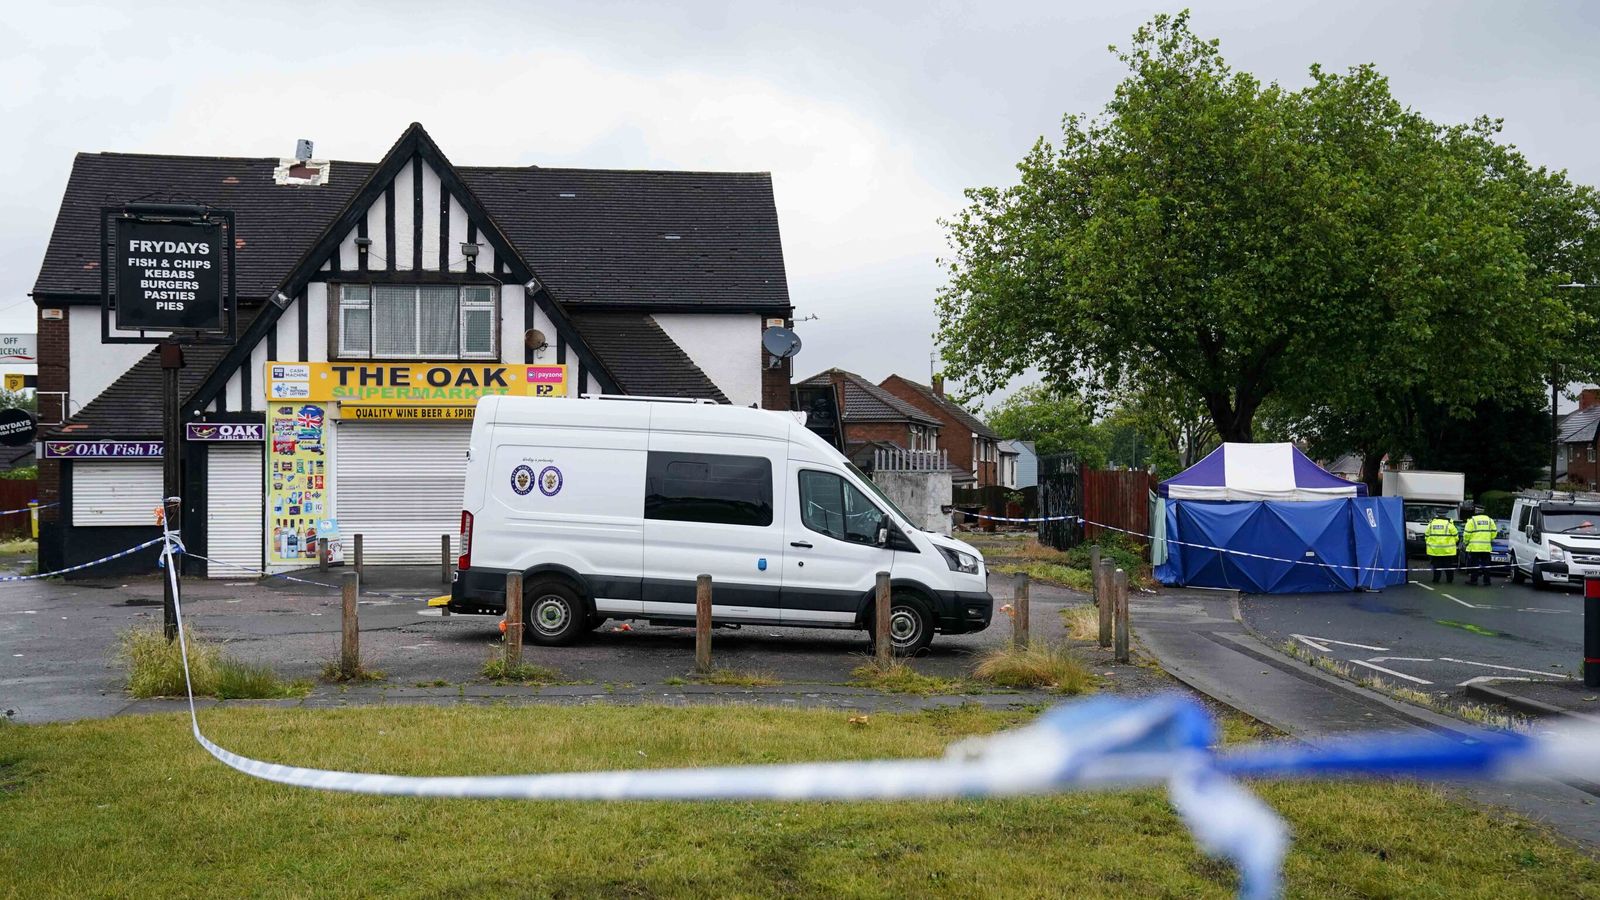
(54,361)
(954,437)
(775,381)
(894,432)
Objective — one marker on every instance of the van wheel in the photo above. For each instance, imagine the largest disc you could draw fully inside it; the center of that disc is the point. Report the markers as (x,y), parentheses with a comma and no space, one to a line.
(553,613)
(910,624)
(1517,575)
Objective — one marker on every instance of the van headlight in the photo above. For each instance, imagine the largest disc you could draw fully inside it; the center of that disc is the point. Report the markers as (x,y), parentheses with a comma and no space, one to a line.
(1557,554)
(964,563)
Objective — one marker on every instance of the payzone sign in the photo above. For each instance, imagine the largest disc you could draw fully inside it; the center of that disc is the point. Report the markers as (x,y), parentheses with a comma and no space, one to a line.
(169,275)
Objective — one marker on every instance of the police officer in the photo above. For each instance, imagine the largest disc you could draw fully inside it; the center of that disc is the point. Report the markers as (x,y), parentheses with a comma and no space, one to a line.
(1480,534)
(1441,541)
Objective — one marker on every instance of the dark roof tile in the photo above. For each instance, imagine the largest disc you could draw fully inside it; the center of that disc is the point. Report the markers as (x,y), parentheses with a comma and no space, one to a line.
(643,359)
(866,402)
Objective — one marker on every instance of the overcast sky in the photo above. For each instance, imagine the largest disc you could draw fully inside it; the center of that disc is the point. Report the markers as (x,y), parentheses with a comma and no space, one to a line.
(871,121)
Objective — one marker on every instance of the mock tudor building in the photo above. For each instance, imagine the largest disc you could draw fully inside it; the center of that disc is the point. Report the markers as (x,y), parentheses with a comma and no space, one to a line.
(377,301)
(973,446)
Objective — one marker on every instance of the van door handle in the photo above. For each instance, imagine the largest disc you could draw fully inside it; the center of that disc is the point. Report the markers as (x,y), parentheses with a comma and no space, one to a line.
(805,544)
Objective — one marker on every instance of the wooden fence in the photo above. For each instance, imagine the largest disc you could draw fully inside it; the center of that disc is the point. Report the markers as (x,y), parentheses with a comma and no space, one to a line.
(15,494)
(1117,498)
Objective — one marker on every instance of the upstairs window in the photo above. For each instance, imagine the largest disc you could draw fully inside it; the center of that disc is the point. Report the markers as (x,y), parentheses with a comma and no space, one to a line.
(433,321)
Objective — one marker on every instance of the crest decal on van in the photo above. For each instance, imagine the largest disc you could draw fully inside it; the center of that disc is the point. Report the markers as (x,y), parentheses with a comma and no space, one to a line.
(550,481)
(522,480)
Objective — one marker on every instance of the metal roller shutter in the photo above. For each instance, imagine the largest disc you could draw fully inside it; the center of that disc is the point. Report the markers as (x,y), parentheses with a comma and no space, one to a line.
(399,486)
(234,508)
(116,493)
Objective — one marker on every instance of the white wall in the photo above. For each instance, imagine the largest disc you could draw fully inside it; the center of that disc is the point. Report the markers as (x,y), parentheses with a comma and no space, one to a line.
(725,347)
(95,365)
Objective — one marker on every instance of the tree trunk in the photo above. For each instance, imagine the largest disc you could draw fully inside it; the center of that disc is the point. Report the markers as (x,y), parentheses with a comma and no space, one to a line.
(1371,474)
(1233,422)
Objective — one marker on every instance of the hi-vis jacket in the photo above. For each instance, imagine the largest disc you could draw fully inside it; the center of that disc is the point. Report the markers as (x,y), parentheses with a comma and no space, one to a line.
(1441,537)
(1481,532)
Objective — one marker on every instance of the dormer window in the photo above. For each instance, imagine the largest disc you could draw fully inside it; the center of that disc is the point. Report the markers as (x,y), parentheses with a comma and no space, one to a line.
(430,321)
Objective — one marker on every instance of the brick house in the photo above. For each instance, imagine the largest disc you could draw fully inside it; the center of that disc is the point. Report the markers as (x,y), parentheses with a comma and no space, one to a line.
(871,414)
(1580,439)
(973,446)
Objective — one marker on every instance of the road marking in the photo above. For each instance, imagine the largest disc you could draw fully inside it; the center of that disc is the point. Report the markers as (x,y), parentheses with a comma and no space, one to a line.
(1468,662)
(1461,601)
(1322,640)
(1390,672)
(1401,659)
(1539,609)
(1310,643)
(1485,679)
(1419,584)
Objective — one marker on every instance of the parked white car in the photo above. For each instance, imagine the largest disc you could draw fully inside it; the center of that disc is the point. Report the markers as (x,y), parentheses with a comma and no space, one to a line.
(610,507)
(1554,541)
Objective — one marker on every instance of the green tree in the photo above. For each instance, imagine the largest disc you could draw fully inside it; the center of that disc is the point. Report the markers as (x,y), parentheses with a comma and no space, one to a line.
(19,400)
(1055,422)
(1244,242)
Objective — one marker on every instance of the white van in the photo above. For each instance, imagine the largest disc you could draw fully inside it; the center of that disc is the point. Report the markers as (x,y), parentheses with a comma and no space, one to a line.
(1554,541)
(610,507)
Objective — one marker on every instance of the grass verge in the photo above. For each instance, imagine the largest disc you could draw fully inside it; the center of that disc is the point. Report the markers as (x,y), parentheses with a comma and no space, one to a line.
(1082,622)
(1049,573)
(496,670)
(175,823)
(19,547)
(736,678)
(897,677)
(155,669)
(1038,666)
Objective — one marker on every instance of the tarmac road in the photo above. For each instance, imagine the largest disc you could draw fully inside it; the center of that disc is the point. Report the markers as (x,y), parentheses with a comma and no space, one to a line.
(1438,638)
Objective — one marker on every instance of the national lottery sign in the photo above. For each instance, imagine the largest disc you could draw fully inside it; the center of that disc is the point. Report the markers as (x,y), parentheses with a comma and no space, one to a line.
(405,384)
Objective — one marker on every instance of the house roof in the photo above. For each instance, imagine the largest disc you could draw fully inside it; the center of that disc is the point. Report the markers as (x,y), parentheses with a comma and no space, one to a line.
(866,402)
(130,409)
(643,358)
(692,240)
(972,422)
(1578,426)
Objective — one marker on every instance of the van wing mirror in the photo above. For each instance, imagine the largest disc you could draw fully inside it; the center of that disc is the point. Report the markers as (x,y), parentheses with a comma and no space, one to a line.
(882,537)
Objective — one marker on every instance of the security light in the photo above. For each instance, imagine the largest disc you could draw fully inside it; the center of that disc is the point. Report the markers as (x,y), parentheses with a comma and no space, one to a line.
(280,299)
(469,250)
(531,285)
(363,243)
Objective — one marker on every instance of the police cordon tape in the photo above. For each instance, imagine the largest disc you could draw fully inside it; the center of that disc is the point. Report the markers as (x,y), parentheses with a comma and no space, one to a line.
(1101,743)
(95,562)
(7,512)
(1231,552)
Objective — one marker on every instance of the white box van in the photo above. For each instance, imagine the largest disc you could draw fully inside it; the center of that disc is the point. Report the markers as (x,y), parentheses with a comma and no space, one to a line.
(610,507)
(1554,540)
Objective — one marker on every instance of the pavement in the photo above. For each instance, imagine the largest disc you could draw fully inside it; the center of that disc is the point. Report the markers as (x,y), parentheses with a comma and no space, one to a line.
(1196,638)
(1442,638)
(58,645)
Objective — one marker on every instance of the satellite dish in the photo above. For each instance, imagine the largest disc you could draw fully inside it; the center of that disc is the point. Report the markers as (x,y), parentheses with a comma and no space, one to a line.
(780,342)
(17,427)
(535,339)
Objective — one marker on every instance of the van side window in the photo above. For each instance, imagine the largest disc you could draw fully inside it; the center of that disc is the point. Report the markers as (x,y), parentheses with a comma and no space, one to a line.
(835,507)
(708,487)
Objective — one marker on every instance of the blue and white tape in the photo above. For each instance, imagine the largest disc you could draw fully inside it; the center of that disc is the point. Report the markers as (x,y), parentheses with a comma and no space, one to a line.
(7,512)
(128,552)
(1092,744)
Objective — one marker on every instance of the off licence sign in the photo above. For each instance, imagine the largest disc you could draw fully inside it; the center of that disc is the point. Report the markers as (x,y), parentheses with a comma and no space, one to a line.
(169,275)
(406,384)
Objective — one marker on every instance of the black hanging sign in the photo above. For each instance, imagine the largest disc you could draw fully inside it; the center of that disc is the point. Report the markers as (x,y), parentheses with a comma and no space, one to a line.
(169,275)
(17,427)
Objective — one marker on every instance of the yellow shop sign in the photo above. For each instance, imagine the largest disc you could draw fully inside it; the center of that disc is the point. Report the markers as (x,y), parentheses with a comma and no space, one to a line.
(422,384)
(404,413)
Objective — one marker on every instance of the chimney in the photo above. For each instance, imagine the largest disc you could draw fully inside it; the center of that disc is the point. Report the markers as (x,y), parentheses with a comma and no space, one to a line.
(938,386)
(1589,397)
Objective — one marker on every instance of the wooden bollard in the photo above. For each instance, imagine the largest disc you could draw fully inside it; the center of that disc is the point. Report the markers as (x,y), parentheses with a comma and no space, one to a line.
(702,624)
(1102,580)
(322,554)
(1094,572)
(513,621)
(350,643)
(885,643)
(444,559)
(1120,594)
(360,568)
(1019,619)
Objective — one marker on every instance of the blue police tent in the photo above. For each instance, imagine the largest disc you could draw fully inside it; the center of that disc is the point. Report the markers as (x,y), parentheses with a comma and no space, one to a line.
(1264,518)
